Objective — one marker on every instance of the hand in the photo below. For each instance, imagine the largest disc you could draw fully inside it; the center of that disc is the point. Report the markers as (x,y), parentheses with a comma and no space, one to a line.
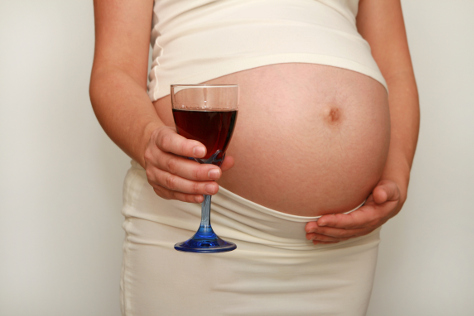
(172,175)
(382,204)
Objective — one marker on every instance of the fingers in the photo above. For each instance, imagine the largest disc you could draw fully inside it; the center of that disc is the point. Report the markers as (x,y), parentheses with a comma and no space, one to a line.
(352,220)
(330,235)
(370,214)
(167,140)
(186,168)
(173,182)
(380,206)
(338,227)
(172,175)
(174,195)
(323,239)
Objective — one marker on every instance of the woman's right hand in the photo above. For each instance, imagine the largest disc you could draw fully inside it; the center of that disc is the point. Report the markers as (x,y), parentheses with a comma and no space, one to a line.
(172,175)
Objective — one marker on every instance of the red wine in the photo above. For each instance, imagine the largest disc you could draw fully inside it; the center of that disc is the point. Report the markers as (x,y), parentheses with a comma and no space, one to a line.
(212,128)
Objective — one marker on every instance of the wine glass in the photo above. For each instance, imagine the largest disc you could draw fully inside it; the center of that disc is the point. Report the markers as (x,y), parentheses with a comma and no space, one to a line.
(206,113)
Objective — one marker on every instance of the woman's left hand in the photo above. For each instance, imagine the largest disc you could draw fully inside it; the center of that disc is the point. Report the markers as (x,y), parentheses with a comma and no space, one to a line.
(382,204)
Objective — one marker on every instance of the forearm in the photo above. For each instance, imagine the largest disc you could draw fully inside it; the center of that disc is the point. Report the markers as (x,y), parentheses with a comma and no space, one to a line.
(124,110)
(381,24)
(405,120)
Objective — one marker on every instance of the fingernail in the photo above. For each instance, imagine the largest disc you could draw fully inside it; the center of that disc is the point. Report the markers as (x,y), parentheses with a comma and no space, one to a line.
(198,151)
(214,174)
(211,189)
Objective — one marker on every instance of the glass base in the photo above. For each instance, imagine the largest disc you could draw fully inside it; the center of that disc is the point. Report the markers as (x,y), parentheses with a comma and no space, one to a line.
(205,240)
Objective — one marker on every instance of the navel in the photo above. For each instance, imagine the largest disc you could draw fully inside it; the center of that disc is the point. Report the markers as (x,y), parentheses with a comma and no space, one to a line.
(333,114)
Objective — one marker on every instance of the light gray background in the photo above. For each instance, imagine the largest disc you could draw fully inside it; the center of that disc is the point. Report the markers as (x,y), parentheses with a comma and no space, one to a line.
(61,177)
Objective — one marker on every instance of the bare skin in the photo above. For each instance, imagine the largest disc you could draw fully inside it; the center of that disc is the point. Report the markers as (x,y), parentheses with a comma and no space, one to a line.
(381,24)
(326,129)
(300,143)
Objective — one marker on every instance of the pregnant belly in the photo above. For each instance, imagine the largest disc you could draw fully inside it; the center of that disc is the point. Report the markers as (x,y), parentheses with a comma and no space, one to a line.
(309,139)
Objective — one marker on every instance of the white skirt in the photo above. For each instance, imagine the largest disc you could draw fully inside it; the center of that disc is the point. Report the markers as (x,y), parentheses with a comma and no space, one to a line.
(274,270)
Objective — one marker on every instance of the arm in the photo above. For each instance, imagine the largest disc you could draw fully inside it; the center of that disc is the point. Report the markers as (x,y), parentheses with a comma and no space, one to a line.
(381,24)
(123,108)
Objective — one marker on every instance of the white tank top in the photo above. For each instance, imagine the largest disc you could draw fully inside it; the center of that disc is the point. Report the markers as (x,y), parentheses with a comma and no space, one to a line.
(198,40)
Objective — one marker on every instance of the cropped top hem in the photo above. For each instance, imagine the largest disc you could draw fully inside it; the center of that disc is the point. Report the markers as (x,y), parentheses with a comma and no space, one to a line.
(217,69)
(197,41)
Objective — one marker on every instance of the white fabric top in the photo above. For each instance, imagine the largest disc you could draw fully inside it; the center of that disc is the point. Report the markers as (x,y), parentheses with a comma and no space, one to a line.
(198,40)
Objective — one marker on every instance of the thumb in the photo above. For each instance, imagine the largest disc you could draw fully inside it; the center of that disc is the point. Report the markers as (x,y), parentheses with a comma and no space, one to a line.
(385,191)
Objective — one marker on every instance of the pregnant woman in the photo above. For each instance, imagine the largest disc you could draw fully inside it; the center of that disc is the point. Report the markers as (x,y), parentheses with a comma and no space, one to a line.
(320,157)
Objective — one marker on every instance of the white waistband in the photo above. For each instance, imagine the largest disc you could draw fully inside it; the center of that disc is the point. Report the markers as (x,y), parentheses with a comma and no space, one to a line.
(257,207)
(232,216)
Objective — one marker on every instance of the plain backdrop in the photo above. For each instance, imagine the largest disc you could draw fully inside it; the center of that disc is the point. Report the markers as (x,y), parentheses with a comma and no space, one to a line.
(61,177)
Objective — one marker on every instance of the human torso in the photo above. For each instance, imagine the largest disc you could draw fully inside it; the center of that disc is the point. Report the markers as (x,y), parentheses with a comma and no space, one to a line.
(310,138)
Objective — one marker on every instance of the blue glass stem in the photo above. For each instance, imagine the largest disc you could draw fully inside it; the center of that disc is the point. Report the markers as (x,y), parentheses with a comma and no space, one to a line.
(205,235)
(205,240)
(206,212)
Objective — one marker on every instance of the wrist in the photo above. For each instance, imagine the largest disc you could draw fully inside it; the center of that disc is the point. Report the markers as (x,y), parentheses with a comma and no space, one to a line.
(150,129)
